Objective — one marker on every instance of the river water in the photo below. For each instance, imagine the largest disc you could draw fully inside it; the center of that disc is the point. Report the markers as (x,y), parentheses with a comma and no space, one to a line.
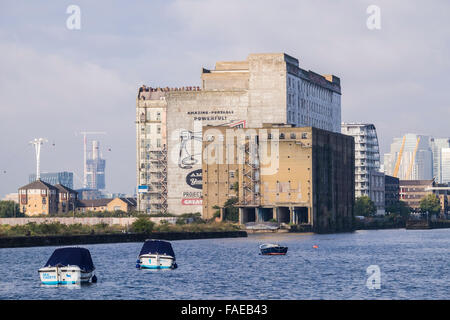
(413,264)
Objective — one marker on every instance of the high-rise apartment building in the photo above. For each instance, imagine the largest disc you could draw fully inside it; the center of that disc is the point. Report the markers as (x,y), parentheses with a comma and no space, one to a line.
(441,165)
(410,158)
(445,166)
(95,168)
(265,88)
(369,181)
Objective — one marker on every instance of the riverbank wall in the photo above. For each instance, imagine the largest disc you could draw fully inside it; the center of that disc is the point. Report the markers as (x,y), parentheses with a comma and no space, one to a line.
(424,224)
(69,220)
(67,240)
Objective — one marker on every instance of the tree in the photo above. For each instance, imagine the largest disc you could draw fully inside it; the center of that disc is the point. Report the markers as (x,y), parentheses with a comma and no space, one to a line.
(142,225)
(9,209)
(364,206)
(401,208)
(231,212)
(430,204)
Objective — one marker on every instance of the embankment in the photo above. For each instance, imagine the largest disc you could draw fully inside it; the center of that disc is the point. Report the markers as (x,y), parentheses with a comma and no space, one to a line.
(423,224)
(66,240)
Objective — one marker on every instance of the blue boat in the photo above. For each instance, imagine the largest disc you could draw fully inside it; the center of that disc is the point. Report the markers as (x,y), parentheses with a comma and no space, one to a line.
(271,249)
(70,265)
(156,254)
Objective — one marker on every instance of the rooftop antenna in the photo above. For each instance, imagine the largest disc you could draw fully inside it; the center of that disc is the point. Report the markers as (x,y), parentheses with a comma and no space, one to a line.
(38,142)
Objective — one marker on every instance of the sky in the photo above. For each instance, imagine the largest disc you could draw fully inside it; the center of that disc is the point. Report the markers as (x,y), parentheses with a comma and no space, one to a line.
(56,82)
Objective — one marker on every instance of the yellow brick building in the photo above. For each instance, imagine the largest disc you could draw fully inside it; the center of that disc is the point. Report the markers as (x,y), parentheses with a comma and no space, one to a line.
(38,198)
(299,175)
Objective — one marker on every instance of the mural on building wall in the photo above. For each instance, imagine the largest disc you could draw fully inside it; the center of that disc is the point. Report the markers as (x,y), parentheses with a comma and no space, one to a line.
(190,152)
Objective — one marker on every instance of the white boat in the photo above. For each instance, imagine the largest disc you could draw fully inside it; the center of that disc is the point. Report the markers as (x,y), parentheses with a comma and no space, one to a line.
(68,266)
(156,254)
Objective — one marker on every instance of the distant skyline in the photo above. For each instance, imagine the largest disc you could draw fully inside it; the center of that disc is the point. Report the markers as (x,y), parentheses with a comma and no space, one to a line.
(57,82)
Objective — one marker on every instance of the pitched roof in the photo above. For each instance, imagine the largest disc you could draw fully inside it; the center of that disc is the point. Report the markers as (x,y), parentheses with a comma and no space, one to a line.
(130,201)
(38,184)
(63,188)
(93,203)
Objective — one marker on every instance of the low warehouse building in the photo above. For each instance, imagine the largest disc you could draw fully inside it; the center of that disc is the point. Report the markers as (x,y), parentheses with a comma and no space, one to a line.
(298,175)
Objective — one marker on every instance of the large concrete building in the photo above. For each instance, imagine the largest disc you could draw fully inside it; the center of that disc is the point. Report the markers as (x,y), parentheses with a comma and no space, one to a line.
(265,88)
(279,172)
(369,181)
(441,159)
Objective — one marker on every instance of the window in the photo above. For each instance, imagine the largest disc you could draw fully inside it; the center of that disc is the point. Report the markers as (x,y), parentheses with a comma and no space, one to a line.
(293,136)
(304,135)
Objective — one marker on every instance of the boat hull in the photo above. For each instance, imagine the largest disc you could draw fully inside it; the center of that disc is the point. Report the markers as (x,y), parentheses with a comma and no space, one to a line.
(156,261)
(63,275)
(274,251)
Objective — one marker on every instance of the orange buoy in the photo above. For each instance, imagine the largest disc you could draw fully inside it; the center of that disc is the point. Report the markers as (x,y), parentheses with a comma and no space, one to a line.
(315,246)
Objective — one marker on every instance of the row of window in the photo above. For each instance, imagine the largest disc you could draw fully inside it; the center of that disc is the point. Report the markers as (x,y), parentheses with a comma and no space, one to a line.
(310,89)
(151,115)
(147,129)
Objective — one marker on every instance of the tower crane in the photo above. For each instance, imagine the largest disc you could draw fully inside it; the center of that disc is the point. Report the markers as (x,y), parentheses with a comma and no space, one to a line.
(399,158)
(408,174)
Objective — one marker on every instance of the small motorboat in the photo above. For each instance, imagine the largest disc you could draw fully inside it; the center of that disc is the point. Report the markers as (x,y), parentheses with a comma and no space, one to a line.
(69,265)
(272,249)
(156,254)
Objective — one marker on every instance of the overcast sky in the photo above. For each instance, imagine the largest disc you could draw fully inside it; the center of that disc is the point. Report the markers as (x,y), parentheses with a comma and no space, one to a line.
(56,82)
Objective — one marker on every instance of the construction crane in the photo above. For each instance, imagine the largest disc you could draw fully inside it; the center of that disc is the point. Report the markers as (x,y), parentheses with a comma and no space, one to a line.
(85,133)
(399,158)
(408,174)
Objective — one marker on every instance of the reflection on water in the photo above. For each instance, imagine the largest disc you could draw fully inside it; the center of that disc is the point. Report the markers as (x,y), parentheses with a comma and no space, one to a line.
(414,264)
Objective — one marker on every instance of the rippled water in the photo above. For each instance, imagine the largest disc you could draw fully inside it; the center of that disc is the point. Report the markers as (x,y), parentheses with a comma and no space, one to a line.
(414,265)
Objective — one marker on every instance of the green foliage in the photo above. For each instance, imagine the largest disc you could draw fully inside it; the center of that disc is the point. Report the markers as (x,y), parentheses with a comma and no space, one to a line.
(231,212)
(9,209)
(142,225)
(197,227)
(364,206)
(94,214)
(56,228)
(400,208)
(430,204)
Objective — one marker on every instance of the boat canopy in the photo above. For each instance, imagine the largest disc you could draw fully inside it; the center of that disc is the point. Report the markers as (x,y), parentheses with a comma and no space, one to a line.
(157,246)
(71,256)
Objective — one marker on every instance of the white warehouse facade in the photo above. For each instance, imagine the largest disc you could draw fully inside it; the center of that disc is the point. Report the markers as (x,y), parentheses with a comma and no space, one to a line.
(265,88)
